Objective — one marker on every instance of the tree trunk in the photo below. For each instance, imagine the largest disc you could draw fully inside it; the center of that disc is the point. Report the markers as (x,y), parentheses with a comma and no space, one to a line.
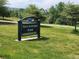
(3,17)
(75,24)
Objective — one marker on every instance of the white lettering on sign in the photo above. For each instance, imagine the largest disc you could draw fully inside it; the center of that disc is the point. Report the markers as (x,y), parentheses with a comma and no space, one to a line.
(26,26)
(29,29)
(28,22)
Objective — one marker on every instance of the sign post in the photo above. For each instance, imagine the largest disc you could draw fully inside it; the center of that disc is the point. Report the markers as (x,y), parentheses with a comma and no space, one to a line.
(19,30)
(38,29)
(29,26)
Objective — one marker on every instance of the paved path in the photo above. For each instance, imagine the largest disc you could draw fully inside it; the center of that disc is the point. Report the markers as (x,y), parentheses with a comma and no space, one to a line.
(51,25)
(55,25)
(3,21)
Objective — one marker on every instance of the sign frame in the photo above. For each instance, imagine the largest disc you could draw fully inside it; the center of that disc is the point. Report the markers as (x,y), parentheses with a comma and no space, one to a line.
(20,27)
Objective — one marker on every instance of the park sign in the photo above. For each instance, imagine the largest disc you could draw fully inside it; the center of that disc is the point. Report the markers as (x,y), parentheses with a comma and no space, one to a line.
(28,26)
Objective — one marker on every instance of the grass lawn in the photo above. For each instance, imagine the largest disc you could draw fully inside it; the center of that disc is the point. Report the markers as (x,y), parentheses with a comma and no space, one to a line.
(57,43)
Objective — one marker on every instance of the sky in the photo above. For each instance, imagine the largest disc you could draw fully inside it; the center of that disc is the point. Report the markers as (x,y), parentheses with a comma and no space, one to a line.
(39,3)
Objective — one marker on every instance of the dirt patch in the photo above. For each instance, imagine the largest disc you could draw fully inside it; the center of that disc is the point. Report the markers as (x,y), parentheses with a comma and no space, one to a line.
(76,56)
(73,56)
(1,58)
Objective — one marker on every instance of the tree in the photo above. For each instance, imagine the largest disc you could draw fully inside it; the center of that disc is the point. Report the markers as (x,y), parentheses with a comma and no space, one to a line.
(55,12)
(32,10)
(2,2)
(63,13)
(45,15)
(74,12)
(3,9)
(4,12)
(71,12)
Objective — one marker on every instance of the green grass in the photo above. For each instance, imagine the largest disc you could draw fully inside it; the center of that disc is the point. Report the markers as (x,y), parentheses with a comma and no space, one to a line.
(57,43)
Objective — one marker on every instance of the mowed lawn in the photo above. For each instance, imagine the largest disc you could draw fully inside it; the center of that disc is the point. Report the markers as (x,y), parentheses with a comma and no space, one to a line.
(56,43)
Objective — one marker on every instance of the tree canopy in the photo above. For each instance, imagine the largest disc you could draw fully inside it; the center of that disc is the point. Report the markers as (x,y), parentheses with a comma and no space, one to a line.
(62,13)
(3,9)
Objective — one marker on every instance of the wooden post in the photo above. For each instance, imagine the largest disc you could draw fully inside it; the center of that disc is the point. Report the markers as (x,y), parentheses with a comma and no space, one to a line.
(19,30)
(38,33)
